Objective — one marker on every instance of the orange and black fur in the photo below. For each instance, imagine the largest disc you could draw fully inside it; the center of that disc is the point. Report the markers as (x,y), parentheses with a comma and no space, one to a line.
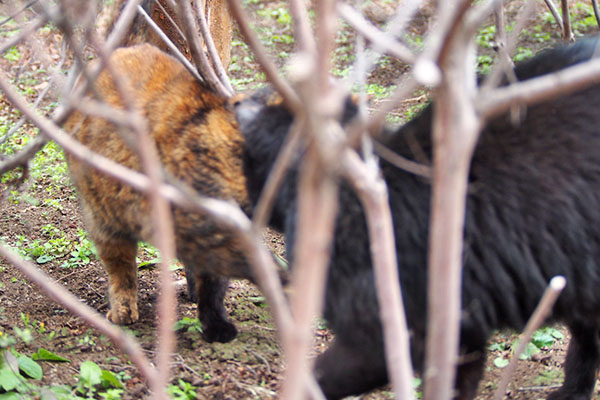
(198,141)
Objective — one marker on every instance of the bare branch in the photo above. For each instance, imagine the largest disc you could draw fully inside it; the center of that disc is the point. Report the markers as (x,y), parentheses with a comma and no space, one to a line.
(455,131)
(302,30)
(493,78)
(174,50)
(289,95)
(401,162)
(378,38)
(325,35)
(284,160)
(24,155)
(554,12)
(544,308)
(317,208)
(212,50)
(186,16)
(567,31)
(31,27)
(372,191)
(376,120)
(596,11)
(535,90)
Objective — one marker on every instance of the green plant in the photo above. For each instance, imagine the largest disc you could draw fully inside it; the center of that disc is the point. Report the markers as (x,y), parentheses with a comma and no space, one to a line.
(182,391)
(486,36)
(191,325)
(94,381)
(543,337)
(523,53)
(583,19)
(484,63)
(15,371)
(12,54)
(83,251)
(378,91)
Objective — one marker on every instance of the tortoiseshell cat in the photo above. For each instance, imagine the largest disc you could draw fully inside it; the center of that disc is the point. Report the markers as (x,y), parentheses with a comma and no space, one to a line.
(198,141)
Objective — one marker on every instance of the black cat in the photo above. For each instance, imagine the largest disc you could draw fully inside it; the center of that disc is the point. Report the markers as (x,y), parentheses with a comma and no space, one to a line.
(532,213)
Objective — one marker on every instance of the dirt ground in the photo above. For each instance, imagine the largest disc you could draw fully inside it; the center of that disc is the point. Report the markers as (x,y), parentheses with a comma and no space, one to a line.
(250,367)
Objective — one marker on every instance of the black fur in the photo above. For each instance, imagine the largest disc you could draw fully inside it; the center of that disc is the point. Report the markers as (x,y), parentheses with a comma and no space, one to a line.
(532,213)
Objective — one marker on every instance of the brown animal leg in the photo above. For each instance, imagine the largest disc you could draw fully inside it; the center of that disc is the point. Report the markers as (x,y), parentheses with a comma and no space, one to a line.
(118,257)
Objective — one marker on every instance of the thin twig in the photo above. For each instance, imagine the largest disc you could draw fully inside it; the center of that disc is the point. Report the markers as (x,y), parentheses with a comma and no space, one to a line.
(596,11)
(174,50)
(402,162)
(373,194)
(212,50)
(494,77)
(543,309)
(302,30)
(383,42)
(185,14)
(567,31)
(554,12)
(534,90)
(284,160)
(121,26)
(289,95)
(25,7)
(25,33)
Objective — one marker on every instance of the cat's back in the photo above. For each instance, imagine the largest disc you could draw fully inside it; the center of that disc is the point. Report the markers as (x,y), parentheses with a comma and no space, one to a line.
(194,132)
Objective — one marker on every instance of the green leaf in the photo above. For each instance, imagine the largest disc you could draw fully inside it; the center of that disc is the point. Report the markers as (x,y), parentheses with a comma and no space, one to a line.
(150,264)
(30,367)
(62,391)
(529,351)
(108,378)
(45,355)
(541,339)
(500,362)
(8,379)
(91,373)
(10,396)
(44,259)
(497,346)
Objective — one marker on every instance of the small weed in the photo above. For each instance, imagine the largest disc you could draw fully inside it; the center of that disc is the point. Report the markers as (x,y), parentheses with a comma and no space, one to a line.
(378,91)
(549,377)
(12,54)
(542,338)
(485,37)
(87,341)
(417,388)
(182,391)
(191,325)
(83,252)
(95,381)
(583,19)
(484,64)
(522,53)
